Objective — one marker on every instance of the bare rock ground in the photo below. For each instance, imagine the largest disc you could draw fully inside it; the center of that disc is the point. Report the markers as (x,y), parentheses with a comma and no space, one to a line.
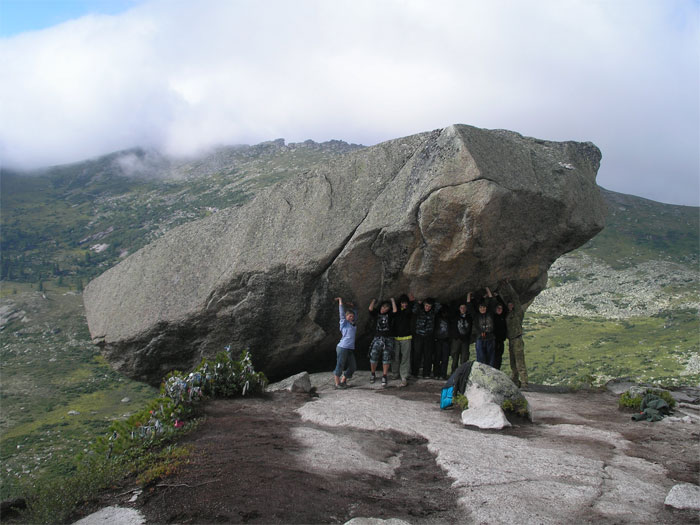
(393,454)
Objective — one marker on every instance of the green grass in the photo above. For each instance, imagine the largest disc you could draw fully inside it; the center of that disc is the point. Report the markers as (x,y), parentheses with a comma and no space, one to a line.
(49,367)
(572,350)
(638,230)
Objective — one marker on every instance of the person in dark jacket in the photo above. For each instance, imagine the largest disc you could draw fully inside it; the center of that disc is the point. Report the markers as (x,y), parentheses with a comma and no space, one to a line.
(424,340)
(441,356)
(382,345)
(500,331)
(460,334)
(484,326)
(403,339)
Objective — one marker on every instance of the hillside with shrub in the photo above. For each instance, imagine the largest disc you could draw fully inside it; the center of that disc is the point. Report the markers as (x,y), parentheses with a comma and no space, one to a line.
(623,305)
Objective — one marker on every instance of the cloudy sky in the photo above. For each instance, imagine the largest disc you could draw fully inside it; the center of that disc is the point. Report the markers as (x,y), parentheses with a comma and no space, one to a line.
(79,78)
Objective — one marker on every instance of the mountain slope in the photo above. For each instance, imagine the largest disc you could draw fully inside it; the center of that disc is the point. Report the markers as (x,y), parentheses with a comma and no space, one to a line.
(624,304)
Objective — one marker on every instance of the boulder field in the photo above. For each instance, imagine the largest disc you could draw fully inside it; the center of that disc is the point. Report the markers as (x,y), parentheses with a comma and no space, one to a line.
(437,214)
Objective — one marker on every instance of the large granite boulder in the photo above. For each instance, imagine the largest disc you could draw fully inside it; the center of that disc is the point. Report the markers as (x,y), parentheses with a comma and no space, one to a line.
(437,214)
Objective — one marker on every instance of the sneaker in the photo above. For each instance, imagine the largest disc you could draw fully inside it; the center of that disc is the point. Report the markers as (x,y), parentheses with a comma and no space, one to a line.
(404,383)
(372,378)
(384,381)
(343,384)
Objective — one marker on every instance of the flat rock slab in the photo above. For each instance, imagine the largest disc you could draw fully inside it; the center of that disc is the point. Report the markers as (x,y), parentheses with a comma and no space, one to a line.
(370,453)
(575,465)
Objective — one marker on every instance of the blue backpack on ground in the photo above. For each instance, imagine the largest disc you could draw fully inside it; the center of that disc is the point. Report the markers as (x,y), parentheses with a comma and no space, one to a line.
(456,384)
(446,397)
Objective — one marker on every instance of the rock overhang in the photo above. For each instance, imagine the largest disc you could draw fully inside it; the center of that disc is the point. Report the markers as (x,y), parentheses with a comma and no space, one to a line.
(437,214)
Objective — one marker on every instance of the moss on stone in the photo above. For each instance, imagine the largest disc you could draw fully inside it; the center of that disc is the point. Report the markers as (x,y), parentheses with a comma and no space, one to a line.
(461,401)
(518,406)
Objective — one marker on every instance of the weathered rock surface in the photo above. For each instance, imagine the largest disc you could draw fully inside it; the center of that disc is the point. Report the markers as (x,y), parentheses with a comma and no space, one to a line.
(490,393)
(297,383)
(582,461)
(684,496)
(438,213)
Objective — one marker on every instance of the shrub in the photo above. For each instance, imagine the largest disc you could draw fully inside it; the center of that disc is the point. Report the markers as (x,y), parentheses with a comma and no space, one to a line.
(634,400)
(461,401)
(138,444)
(518,406)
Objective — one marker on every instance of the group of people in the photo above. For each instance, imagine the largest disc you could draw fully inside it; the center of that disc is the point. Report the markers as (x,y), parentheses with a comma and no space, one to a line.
(418,337)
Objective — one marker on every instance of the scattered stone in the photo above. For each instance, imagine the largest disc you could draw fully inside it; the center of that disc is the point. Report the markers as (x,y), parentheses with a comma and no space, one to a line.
(296,383)
(73,413)
(678,419)
(126,400)
(686,396)
(684,496)
(619,386)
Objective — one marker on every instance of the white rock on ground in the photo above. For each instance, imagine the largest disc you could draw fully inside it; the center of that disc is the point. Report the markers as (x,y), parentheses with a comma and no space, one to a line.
(684,496)
(296,383)
(568,474)
(483,412)
(113,516)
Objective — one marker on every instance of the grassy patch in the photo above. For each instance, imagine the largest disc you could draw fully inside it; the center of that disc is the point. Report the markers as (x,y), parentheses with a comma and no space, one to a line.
(575,351)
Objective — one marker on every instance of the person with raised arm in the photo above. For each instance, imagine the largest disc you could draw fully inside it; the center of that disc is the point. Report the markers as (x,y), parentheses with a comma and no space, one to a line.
(345,364)
(383,342)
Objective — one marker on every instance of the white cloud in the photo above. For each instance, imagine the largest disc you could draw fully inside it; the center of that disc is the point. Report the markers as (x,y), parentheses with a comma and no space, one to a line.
(181,76)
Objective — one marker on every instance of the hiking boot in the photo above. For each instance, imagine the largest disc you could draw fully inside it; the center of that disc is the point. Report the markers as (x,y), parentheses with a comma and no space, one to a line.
(372,378)
(404,383)
(384,381)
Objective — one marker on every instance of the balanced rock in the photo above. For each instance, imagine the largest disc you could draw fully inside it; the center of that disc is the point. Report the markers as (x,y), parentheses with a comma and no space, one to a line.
(436,214)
